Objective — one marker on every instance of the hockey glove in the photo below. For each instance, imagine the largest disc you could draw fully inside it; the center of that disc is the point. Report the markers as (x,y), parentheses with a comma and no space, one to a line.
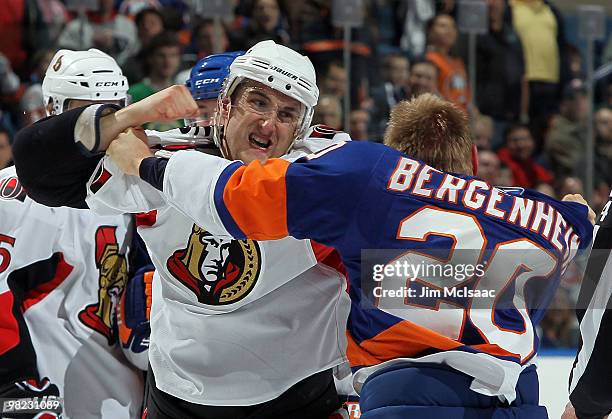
(133,314)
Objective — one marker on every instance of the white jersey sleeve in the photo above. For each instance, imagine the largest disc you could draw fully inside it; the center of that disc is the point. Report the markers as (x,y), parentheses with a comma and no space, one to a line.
(111,192)
(196,201)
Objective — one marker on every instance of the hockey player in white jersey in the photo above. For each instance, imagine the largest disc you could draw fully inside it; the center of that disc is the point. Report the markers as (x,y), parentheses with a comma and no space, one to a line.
(239,329)
(61,273)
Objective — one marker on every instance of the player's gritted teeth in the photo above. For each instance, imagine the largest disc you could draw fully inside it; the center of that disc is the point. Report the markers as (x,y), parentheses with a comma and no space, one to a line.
(259,141)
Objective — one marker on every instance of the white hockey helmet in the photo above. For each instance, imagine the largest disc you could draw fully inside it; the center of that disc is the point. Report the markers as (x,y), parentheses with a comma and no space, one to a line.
(280,68)
(84,75)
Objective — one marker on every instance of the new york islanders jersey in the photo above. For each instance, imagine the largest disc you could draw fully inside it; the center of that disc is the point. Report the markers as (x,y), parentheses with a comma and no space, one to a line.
(57,299)
(359,196)
(232,322)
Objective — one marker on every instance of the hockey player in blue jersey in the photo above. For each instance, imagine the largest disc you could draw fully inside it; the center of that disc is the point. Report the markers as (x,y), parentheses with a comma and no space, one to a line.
(466,361)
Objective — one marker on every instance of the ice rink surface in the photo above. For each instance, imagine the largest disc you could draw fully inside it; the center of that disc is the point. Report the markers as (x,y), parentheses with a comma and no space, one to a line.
(553,370)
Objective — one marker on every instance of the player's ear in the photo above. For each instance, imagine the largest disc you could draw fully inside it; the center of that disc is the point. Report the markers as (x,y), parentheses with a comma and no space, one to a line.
(50,110)
(474,160)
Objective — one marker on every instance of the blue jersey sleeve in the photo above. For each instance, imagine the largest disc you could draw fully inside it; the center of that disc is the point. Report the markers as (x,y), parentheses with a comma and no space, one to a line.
(314,197)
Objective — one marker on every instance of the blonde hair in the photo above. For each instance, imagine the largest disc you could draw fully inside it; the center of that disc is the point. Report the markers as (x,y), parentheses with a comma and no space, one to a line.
(432,130)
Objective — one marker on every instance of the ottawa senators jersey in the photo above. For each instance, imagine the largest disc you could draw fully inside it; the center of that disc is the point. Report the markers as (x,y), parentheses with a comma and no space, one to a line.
(363,196)
(61,273)
(233,322)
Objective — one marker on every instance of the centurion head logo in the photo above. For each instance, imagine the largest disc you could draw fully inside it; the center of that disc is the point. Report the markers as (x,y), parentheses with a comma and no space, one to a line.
(217,272)
(112,280)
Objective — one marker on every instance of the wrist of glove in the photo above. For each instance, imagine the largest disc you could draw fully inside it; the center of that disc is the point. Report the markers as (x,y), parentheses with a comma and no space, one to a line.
(42,393)
(133,313)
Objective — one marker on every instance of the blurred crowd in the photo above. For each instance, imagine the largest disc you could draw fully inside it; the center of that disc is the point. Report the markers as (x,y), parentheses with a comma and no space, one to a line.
(529,113)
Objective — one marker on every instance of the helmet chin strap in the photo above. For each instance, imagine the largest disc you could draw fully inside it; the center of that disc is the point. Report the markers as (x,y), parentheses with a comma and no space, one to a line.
(225,151)
(223,145)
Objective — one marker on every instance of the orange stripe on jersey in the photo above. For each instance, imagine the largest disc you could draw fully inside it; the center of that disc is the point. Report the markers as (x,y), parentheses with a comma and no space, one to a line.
(402,340)
(495,350)
(256,197)
(356,355)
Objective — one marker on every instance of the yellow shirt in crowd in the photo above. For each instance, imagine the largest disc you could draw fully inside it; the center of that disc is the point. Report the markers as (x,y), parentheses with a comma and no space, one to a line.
(536,26)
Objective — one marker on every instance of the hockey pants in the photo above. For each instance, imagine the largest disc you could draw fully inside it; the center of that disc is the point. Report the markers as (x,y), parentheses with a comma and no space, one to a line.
(431,391)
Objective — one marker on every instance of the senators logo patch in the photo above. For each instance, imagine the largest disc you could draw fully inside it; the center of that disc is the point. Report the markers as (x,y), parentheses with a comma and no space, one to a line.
(112,280)
(218,272)
(10,188)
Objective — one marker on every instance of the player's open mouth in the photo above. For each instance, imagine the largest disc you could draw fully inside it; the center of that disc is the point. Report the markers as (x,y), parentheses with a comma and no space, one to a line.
(259,142)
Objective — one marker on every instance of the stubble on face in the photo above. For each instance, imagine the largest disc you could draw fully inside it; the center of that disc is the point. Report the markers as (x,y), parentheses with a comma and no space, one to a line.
(250,136)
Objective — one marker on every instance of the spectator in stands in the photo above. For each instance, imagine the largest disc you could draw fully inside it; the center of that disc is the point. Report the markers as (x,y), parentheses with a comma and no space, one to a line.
(26,25)
(603,146)
(488,166)
(149,23)
(546,189)
(266,21)
(11,90)
(52,17)
(518,156)
(323,42)
(423,78)
(452,76)
(333,81)
(448,7)
(499,68)
(328,112)
(565,143)
(6,156)
(411,24)
(203,42)
(396,71)
(505,176)
(9,81)
(540,28)
(131,8)
(163,58)
(574,58)
(6,122)
(602,182)
(103,29)
(570,185)
(558,326)
(32,105)
(359,121)
(483,129)
(39,63)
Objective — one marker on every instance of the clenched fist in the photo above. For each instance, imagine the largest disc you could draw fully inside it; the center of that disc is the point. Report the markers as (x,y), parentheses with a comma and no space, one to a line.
(579,199)
(129,149)
(169,104)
